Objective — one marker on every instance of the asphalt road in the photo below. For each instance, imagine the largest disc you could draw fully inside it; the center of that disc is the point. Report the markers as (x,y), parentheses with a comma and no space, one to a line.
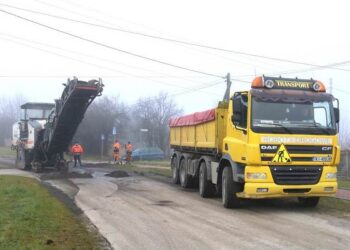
(139,212)
(142,213)
(6,162)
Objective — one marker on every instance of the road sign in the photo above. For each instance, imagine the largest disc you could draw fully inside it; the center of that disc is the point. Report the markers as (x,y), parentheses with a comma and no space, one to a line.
(282,155)
(144,130)
(102,137)
(114,132)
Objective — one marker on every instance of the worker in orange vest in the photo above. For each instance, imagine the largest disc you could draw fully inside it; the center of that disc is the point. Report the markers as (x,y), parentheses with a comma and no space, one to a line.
(77,150)
(116,150)
(128,148)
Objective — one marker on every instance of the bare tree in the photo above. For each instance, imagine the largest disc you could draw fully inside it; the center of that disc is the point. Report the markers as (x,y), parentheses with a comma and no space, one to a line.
(101,117)
(153,114)
(9,114)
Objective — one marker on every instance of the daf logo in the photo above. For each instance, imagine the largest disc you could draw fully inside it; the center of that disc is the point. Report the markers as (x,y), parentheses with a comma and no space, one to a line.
(326,148)
(268,147)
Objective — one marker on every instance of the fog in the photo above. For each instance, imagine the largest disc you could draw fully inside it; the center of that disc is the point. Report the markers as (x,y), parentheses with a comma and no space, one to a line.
(303,39)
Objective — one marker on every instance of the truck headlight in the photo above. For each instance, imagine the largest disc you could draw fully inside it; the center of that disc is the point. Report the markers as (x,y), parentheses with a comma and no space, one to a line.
(256,176)
(331,175)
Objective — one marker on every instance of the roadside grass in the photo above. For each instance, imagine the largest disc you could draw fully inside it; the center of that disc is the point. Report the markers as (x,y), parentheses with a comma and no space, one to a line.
(7,152)
(32,219)
(335,206)
(158,171)
(344,184)
(160,163)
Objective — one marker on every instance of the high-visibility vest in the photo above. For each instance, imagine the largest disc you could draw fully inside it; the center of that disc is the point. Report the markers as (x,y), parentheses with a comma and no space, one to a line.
(116,147)
(129,147)
(77,149)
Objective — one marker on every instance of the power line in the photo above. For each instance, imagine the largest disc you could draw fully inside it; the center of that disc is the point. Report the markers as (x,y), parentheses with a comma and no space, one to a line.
(197,88)
(93,56)
(95,65)
(299,70)
(89,76)
(208,86)
(162,38)
(111,47)
(321,67)
(341,90)
(63,56)
(131,32)
(105,27)
(70,10)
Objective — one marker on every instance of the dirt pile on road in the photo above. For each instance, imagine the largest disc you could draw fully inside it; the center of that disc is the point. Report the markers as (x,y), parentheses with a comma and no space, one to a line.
(118,174)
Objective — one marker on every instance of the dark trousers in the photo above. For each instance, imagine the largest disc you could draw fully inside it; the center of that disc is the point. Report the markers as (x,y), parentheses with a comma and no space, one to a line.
(77,158)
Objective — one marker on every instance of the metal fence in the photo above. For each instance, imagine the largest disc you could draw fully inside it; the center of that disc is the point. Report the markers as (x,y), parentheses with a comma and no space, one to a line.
(344,166)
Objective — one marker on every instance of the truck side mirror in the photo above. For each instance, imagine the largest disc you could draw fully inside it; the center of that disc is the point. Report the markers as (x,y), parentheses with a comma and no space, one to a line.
(336,114)
(236,119)
(237,111)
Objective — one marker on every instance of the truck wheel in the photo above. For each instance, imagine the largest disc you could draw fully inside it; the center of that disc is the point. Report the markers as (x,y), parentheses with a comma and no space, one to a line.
(229,189)
(37,167)
(185,179)
(62,166)
(175,171)
(206,188)
(308,201)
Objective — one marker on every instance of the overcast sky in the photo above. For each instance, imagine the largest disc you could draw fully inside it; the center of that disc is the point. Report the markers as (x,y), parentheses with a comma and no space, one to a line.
(36,60)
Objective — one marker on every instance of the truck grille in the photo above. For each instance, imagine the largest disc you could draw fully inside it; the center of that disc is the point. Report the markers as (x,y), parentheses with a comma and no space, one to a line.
(296,175)
(298,149)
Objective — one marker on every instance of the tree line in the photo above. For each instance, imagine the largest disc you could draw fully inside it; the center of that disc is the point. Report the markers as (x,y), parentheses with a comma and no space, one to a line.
(9,114)
(144,124)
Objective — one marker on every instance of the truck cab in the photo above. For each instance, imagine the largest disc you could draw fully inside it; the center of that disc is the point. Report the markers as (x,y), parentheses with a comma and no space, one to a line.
(282,140)
(33,115)
(24,132)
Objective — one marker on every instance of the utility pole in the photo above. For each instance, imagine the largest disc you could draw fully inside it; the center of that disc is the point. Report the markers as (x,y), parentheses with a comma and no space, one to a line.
(330,85)
(102,142)
(228,82)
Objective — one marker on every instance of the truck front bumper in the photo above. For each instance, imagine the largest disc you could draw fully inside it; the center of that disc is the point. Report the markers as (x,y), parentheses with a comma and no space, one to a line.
(271,190)
(267,188)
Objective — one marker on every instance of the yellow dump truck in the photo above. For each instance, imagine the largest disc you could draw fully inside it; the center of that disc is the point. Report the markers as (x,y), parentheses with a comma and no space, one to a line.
(279,139)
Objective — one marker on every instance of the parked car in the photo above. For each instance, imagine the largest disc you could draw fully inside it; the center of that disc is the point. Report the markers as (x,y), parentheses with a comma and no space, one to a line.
(152,153)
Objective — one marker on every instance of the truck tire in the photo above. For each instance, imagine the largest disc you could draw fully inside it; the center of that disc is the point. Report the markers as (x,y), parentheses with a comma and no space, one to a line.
(175,171)
(229,189)
(38,167)
(185,179)
(308,201)
(206,188)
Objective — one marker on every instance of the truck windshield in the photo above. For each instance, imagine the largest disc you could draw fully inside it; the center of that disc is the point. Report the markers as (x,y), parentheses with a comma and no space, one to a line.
(35,114)
(314,117)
